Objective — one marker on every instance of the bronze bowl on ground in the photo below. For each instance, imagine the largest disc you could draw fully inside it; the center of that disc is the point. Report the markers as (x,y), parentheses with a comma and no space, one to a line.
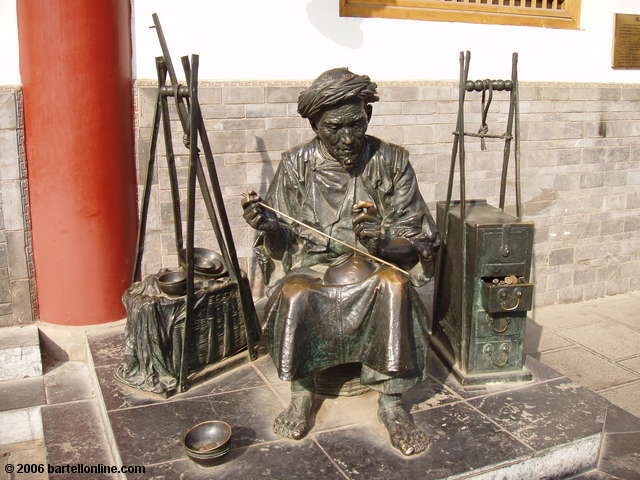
(206,442)
(205,262)
(172,283)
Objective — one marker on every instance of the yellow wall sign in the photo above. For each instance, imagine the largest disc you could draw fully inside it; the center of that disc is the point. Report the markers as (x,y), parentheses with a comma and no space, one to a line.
(626,42)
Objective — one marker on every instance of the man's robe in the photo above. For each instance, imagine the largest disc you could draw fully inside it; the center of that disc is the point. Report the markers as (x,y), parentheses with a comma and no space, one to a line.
(380,321)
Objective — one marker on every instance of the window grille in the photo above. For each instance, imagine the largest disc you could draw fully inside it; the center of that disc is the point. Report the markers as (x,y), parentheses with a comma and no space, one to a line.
(532,13)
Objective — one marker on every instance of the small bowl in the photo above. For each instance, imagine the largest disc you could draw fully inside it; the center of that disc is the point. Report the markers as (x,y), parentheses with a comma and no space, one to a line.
(205,261)
(206,442)
(173,283)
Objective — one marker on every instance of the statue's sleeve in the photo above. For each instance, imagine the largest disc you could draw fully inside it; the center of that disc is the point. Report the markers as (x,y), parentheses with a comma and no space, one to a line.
(407,215)
(283,196)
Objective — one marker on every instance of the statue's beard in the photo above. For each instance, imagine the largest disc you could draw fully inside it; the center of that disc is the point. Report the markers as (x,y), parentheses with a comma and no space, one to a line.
(348,158)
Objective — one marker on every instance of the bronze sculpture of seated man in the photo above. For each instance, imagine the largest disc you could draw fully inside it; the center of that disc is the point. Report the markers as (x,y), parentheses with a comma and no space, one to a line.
(325,307)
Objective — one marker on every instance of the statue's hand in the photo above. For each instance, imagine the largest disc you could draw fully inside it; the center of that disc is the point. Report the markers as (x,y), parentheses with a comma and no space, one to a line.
(257,216)
(366,225)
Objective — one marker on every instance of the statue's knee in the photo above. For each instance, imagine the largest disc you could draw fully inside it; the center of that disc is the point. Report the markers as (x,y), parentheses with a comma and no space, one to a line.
(295,287)
(394,277)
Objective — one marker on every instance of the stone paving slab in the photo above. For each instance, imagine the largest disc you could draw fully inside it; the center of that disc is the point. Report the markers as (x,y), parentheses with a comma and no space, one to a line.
(621,308)
(595,475)
(74,434)
(609,339)
(604,345)
(625,396)
(620,421)
(546,415)
(462,441)
(26,336)
(107,348)
(473,433)
(632,364)
(19,353)
(621,456)
(23,393)
(118,396)
(153,433)
(68,382)
(539,339)
(566,315)
(587,368)
(23,453)
(20,425)
(279,460)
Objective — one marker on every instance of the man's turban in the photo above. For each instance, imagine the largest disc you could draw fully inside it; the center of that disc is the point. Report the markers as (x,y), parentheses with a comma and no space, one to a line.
(334,87)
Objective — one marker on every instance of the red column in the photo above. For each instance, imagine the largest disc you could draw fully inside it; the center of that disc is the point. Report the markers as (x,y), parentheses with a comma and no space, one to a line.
(75,63)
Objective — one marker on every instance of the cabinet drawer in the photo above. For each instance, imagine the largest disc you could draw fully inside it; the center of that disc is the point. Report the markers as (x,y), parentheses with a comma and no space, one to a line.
(506,298)
(488,326)
(496,356)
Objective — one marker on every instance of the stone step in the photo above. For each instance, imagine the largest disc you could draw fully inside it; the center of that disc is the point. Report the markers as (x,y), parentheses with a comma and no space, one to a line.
(74,434)
(20,355)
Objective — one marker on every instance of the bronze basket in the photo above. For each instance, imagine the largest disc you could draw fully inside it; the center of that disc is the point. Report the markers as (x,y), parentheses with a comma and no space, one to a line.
(343,380)
(217,331)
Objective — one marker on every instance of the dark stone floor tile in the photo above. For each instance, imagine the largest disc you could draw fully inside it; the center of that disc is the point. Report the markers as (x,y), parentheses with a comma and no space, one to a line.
(595,475)
(428,394)
(620,421)
(22,393)
(117,396)
(279,460)
(267,368)
(153,433)
(462,440)
(334,412)
(68,382)
(107,348)
(73,433)
(441,372)
(240,378)
(620,455)
(546,414)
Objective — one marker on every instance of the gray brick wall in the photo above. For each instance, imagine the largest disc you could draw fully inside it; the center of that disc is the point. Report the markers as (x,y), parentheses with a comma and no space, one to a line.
(17,284)
(580,168)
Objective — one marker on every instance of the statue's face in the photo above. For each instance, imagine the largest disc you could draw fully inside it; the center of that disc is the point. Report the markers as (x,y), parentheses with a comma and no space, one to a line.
(342,131)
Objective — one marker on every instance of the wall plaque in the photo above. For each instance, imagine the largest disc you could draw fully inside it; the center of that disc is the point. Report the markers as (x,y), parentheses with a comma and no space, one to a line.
(626,42)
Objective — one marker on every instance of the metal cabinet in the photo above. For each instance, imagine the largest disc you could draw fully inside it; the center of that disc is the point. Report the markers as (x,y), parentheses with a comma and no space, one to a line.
(483,293)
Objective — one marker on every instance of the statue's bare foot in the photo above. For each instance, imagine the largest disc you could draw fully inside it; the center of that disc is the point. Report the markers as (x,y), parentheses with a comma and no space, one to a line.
(404,434)
(293,422)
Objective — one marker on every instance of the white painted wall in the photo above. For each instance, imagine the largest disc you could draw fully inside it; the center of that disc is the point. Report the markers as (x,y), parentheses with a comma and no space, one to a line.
(298,39)
(9,59)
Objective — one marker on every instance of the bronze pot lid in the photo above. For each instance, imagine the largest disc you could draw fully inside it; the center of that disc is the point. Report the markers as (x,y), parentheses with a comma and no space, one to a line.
(205,261)
(348,269)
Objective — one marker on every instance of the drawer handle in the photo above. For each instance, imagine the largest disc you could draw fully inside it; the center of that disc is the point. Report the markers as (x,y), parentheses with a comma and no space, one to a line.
(517,304)
(494,321)
(503,357)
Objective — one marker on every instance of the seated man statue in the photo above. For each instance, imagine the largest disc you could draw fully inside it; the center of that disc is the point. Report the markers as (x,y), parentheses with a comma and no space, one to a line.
(327,307)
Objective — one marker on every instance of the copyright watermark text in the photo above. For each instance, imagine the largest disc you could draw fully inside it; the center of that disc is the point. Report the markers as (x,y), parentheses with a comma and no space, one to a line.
(76,468)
